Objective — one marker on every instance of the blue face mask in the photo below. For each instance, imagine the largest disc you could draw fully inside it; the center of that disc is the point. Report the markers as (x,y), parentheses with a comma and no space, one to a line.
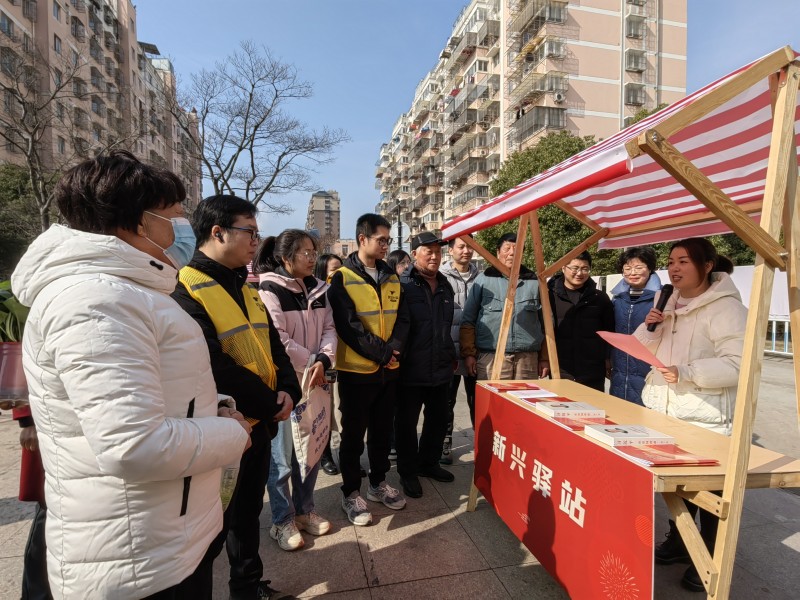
(180,252)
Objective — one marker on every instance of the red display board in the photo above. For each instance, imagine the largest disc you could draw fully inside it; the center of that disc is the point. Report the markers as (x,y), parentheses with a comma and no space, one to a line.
(584,512)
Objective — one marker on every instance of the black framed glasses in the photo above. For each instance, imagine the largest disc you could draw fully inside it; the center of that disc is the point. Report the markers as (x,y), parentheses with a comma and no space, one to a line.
(383,241)
(576,270)
(254,235)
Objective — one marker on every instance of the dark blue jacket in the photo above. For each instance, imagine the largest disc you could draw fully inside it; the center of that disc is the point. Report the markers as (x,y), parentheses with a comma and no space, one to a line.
(429,357)
(627,373)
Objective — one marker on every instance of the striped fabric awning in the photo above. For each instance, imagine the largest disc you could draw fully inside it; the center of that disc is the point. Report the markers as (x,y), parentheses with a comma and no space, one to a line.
(635,198)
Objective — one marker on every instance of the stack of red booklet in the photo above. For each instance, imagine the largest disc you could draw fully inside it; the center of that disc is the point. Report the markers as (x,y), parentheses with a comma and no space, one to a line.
(664,455)
(653,455)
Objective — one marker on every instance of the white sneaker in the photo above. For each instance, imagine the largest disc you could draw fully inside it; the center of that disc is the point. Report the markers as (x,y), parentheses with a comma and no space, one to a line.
(287,536)
(356,509)
(312,523)
(385,493)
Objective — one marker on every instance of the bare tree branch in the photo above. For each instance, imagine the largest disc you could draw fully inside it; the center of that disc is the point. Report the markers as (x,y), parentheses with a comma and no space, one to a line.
(42,117)
(246,142)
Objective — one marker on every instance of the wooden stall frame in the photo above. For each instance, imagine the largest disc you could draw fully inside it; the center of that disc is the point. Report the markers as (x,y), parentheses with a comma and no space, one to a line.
(779,213)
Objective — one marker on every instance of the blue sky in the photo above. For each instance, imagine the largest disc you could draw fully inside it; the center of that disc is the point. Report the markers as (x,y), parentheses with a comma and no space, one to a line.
(365,58)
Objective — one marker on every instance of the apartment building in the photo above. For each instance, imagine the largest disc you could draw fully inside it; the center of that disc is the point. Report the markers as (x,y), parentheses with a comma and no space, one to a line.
(108,88)
(513,71)
(323,217)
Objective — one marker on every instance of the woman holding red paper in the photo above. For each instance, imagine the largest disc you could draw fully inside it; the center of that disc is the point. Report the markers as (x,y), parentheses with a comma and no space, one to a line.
(699,337)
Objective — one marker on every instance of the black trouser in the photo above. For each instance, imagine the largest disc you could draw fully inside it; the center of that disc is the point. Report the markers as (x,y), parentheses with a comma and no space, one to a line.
(34,570)
(240,524)
(366,408)
(470,383)
(413,456)
(197,586)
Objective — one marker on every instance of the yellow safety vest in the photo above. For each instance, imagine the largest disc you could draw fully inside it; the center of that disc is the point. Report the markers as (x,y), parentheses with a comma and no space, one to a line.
(244,338)
(377,315)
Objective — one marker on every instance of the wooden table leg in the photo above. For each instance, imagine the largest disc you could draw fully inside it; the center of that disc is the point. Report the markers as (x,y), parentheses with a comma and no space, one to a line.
(472,503)
(698,552)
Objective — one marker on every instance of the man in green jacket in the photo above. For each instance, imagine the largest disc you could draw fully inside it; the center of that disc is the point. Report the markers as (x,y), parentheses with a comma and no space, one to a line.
(524,356)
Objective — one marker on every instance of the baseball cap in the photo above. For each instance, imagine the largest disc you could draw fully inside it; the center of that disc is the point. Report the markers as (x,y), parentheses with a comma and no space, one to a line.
(424,238)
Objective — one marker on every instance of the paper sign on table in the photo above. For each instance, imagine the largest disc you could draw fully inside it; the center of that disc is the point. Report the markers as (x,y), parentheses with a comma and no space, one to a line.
(630,345)
(506,386)
(528,394)
(580,423)
(627,435)
(575,410)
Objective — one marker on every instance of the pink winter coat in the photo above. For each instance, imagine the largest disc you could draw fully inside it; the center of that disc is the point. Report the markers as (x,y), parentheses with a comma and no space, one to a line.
(302,316)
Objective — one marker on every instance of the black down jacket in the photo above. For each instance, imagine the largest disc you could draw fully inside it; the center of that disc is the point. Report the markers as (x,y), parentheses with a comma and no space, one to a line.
(429,357)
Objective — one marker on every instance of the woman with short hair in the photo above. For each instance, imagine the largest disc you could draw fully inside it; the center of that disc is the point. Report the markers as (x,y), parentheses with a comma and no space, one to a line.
(632,298)
(121,389)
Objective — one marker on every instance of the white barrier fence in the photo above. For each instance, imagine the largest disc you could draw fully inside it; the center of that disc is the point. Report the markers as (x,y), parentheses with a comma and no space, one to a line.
(779,338)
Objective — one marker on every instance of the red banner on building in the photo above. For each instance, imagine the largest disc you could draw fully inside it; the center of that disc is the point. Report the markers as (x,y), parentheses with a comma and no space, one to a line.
(584,512)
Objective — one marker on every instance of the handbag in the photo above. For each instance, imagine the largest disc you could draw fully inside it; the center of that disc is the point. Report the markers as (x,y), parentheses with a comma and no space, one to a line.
(311,423)
(31,477)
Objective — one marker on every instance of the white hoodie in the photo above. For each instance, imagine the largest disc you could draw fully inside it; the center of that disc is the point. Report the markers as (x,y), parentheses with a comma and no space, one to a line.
(704,339)
(114,367)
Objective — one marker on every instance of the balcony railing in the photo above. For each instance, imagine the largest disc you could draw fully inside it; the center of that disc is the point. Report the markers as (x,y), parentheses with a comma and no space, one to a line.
(466,168)
(478,191)
(538,12)
(534,84)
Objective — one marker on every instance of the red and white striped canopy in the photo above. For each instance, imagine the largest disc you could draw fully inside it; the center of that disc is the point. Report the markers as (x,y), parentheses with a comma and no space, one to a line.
(634,197)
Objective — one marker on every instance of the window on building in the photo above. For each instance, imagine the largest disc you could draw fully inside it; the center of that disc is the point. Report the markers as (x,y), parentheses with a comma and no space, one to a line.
(634,27)
(635,94)
(345,249)
(62,145)
(635,60)
(9,61)
(81,146)
(6,24)
(60,110)
(96,134)
(58,77)
(12,139)
(8,103)
(56,44)
(57,11)
(75,58)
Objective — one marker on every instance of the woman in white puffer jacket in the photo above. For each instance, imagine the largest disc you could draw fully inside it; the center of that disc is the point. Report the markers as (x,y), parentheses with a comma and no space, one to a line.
(121,390)
(699,337)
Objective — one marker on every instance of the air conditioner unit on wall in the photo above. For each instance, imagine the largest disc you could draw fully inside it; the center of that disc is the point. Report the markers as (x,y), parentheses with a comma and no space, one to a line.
(559,97)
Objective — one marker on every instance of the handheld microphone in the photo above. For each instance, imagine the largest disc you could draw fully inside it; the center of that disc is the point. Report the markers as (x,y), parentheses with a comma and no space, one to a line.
(666,292)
